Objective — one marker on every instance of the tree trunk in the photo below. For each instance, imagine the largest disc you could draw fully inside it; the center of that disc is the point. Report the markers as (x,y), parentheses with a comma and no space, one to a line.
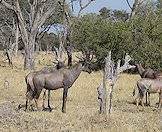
(29,53)
(102,96)
(16,39)
(37,47)
(69,54)
(105,94)
(29,58)
(135,7)
(9,58)
(110,98)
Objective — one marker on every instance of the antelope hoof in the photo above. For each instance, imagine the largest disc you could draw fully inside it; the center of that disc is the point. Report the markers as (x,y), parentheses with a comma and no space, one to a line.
(50,109)
(19,107)
(47,109)
(63,111)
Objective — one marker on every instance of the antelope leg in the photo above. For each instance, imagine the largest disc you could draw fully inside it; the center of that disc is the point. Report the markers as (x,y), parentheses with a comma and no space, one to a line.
(44,97)
(28,100)
(64,99)
(142,103)
(146,98)
(36,103)
(26,105)
(160,100)
(49,100)
(36,97)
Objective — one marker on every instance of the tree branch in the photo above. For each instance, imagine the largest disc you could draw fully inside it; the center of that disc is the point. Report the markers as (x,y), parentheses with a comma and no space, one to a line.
(11,7)
(83,7)
(45,16)
(129,4)
(126,65)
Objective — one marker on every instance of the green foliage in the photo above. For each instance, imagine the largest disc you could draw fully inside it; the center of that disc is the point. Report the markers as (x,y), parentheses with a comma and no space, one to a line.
(100,36)
(105,13)
(140,36)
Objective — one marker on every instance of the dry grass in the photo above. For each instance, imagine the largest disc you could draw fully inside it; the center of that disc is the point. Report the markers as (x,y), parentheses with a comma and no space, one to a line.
(82,105)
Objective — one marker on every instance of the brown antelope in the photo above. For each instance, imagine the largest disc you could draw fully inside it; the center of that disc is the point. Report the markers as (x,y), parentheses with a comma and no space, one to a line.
(30,85)
(150,85)
(63,78)
(147,73)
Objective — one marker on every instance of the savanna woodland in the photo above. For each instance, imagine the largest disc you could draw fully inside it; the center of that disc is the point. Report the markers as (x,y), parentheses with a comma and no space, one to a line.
(64,68)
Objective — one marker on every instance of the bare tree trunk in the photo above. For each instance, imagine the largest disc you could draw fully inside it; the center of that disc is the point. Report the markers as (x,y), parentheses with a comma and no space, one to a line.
(16,39)
(110,98)
(9,58)
(29,53)
(134,8)
(29,58)
(104,96)
(69,54)
(111,74)
(37,47)
(67,34)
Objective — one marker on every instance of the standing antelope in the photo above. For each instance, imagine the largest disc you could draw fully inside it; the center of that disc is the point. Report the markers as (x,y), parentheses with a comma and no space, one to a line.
(30,85)
(146,73)
(63,78)
(150,85)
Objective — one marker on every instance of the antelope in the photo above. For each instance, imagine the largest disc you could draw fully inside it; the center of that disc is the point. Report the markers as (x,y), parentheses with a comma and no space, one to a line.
(146,73)
(150,85)
(63,78)
(30,85)
(29,78)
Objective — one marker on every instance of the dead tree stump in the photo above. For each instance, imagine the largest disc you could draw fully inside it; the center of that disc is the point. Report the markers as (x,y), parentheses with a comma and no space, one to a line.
(110,75)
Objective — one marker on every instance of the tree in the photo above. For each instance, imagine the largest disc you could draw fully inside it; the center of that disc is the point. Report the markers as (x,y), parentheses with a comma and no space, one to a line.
(119,15)
(139,36)
(135,7)
(99,35)
(68,22)
(159,4)
(9,32)
(110,75)
(105,13)
(30,23)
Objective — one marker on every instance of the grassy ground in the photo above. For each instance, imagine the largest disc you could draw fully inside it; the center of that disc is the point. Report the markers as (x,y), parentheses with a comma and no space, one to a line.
(82,105)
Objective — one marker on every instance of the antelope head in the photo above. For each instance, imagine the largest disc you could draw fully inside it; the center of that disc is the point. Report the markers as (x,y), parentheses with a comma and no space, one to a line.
(86,63)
